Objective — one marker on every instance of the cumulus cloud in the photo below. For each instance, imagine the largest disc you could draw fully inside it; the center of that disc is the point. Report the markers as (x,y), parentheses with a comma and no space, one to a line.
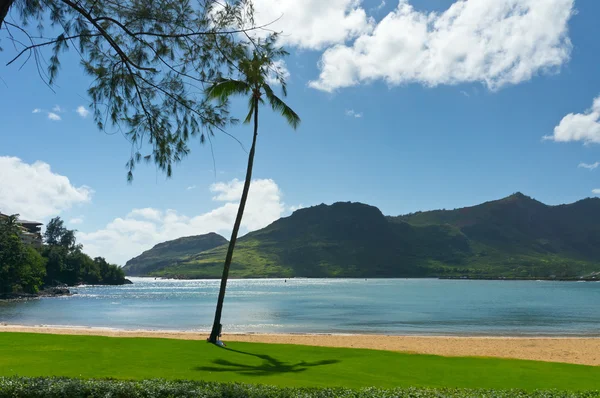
(589,166)
(127,237)
(57,109)
(82,111)
(53,116)
(35,191)
(495,42)
(146,213)
(583,127)
(294,208)
(352,113)
(596,191)
(191,187)
(76,220)
(315,24)
(36,110)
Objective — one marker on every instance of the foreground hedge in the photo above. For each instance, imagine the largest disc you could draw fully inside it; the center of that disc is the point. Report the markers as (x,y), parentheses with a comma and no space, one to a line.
(62,387)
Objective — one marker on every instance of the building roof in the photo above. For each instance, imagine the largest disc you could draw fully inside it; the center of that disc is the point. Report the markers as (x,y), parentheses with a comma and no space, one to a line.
(22,222)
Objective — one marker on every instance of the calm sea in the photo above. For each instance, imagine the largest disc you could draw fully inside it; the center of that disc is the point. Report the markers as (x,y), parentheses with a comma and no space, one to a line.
(382,306)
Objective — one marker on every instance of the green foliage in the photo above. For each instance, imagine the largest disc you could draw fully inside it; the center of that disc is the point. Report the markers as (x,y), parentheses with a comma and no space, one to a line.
(157,388)
(93,357)
(515,237)
(66,263)
(24,269)
(110,274)
(256,71)
(57,234)
(172,252)
(21,267)
(147,60)
(55,229)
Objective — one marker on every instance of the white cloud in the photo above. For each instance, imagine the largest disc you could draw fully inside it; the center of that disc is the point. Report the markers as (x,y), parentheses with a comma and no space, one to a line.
(76,220)
(35,191)
(147,213)
(227,191)
(583,127)
(191,187)
(495,42)
(53,116)
(124,238)
(314,24)
(294,208)
(278,68)
(596,191)
(465,94)
(589,166)
(352,113)
(82,111)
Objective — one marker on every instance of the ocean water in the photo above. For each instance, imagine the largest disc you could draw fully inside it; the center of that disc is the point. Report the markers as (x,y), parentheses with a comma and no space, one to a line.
(379,306)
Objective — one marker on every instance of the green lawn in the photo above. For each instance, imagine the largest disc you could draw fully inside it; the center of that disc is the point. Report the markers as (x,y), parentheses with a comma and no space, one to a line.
(285,365)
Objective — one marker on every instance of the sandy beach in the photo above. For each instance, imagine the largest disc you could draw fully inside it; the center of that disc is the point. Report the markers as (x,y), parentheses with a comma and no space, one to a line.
(576,350)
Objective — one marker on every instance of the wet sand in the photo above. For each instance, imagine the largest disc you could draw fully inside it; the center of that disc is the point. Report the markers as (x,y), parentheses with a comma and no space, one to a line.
(576,350)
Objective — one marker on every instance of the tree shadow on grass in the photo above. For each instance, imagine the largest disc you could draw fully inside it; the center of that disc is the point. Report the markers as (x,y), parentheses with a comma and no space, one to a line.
(268,367)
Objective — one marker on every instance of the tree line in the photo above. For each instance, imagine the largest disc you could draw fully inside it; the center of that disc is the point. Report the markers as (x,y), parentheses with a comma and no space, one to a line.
(60,260)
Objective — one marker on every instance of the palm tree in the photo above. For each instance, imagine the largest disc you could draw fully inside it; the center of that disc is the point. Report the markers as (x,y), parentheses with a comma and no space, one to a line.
(11,224)
(255,73)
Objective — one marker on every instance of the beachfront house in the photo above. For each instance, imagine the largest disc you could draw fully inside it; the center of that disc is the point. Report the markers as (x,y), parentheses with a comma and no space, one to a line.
(31,231)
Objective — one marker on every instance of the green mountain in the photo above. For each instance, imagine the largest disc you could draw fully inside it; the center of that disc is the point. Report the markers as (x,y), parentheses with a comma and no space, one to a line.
(341,240)
(521,237)
(171,252)
(515,237)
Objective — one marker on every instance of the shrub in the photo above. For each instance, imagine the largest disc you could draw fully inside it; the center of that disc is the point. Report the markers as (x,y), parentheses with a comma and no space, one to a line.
(42,387)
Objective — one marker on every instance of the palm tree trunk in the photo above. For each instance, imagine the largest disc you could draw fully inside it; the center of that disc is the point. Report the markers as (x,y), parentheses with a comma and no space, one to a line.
(4,7)
(216,329)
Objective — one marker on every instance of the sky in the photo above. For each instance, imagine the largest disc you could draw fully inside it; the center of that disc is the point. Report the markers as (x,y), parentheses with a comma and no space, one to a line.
(406,105)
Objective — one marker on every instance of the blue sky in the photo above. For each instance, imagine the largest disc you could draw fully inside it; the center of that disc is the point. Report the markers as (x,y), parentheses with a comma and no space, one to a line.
(407,111)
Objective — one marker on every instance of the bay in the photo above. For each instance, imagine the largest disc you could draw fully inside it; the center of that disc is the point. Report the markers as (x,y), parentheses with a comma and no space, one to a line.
(378,306)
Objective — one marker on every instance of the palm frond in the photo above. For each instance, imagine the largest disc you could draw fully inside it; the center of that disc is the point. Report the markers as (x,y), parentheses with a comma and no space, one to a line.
(223,89)
(251,105)
(283,87)
(279,106)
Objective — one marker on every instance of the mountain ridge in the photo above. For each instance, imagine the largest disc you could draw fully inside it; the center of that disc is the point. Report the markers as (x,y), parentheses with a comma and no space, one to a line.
(516,236)
(172,251)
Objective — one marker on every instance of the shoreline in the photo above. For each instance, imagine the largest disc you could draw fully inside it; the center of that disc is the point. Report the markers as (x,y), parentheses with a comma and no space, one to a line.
(574,350)
(183,332)
(460,277)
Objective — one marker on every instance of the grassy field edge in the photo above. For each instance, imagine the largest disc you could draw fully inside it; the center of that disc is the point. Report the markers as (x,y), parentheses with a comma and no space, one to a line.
(95,357)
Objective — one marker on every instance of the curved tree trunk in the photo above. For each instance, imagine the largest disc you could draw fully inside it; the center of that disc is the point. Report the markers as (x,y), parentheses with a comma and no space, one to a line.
(4,8)
(216,329)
